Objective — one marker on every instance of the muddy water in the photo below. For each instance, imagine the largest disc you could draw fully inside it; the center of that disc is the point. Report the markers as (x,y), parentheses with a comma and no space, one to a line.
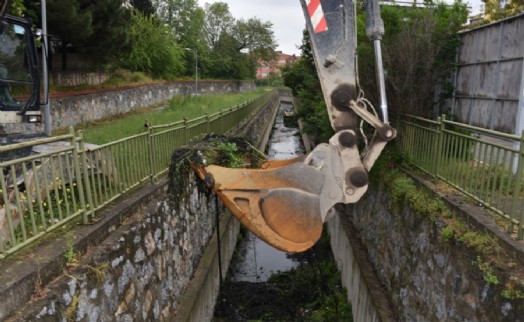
(259,260)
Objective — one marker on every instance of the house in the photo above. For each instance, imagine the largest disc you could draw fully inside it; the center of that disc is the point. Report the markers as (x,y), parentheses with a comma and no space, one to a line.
(273,68)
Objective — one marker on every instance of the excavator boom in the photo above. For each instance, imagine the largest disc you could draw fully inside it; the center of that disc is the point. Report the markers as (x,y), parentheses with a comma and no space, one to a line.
(285,203)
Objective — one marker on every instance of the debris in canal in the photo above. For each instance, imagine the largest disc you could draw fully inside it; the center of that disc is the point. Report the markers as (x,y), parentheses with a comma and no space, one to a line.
(311,291)
(231,152)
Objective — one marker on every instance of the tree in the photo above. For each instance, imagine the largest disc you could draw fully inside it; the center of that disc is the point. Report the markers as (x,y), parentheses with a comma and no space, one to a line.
(498,9)
(419,49)
(236,46)
(256,37)
(302,78)
(111,21)
(154,49)
(144,6)
(69,23)
(218,21)
(178,14)
(15,7)
(186,20)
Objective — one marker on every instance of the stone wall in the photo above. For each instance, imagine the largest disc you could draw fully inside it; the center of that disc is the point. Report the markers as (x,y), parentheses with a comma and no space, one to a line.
(425,277)
(81,108)
(147,259)
(77,78)
(138,272)
(73,110)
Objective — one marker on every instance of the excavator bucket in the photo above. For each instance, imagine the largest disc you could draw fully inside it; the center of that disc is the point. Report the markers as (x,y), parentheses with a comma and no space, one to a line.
(271,202)
(285,202)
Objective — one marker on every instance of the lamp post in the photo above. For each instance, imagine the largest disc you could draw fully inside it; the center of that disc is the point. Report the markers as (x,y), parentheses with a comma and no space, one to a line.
(196,68)
(46,108)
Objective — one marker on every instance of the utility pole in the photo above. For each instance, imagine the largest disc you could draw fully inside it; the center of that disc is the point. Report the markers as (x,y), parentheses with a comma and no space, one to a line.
(46,107)
(196,68)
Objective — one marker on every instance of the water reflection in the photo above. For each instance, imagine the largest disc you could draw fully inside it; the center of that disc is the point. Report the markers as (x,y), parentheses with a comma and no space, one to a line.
(257,260)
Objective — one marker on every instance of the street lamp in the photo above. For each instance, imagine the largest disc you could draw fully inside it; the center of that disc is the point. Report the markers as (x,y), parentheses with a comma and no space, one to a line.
(46,107)
(196,68)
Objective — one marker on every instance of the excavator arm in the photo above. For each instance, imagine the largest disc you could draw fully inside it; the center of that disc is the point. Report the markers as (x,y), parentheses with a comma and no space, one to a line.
(285,203)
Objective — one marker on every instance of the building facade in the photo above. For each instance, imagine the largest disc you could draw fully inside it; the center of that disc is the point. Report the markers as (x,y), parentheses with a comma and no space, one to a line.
(273,68)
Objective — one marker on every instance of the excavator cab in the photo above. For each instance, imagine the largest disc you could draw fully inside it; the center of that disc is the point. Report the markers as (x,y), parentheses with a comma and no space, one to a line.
(285,203)
(19,74)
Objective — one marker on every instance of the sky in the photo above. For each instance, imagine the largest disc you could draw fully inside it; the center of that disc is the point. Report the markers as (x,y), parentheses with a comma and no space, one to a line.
(286,16)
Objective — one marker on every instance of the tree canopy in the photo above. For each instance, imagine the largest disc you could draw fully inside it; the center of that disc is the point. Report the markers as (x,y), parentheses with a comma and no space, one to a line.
(498,9)
(165,38)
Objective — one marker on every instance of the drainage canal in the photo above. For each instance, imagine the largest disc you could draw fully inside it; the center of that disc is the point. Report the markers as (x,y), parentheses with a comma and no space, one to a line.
(269,285)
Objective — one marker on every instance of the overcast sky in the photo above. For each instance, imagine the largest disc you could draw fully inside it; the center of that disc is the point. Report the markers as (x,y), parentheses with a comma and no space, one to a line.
(286,16)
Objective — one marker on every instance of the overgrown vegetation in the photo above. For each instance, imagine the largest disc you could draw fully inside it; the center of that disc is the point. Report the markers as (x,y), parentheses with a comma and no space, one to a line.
(213,149)
(117,127)
(311,291)
(494,263)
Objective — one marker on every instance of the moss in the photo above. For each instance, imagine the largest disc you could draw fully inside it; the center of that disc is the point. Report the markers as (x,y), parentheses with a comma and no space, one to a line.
(492,261)
(98,273)
(447,233)
(71,309)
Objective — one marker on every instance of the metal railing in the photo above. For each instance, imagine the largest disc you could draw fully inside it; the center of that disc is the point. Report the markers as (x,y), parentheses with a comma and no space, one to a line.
(486,165)
(42,192)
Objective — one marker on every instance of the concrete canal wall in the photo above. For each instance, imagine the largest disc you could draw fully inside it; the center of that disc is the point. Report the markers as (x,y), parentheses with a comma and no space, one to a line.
(147,259)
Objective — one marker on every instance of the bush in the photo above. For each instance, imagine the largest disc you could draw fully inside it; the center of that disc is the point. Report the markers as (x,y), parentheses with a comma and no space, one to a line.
(154,49)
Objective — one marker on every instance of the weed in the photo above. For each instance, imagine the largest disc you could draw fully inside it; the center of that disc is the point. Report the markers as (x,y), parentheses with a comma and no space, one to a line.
(447,233)
(488,272)
(99,272)
(512,294)
(481,243)
(71,310)
(70,255)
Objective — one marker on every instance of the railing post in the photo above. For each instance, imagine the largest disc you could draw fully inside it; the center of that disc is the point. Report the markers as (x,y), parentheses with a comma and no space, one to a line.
(150,151)
(208,126)
(440,144)
(78,175)
(87,183)
(7,213)
(186,131)
(221,115)
(231,124)
(516,190)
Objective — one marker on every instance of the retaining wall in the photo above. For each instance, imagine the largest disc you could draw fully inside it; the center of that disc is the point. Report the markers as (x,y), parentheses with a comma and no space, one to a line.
(76,109)
(425,277)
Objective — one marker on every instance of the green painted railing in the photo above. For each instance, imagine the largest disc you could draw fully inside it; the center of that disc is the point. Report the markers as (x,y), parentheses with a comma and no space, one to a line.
(486,165)
(42,192)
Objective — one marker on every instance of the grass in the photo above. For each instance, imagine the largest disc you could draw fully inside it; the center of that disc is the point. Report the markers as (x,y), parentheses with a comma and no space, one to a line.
(121,126)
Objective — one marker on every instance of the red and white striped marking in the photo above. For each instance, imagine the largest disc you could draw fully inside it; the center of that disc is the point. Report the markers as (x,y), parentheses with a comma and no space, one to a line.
(316,14)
